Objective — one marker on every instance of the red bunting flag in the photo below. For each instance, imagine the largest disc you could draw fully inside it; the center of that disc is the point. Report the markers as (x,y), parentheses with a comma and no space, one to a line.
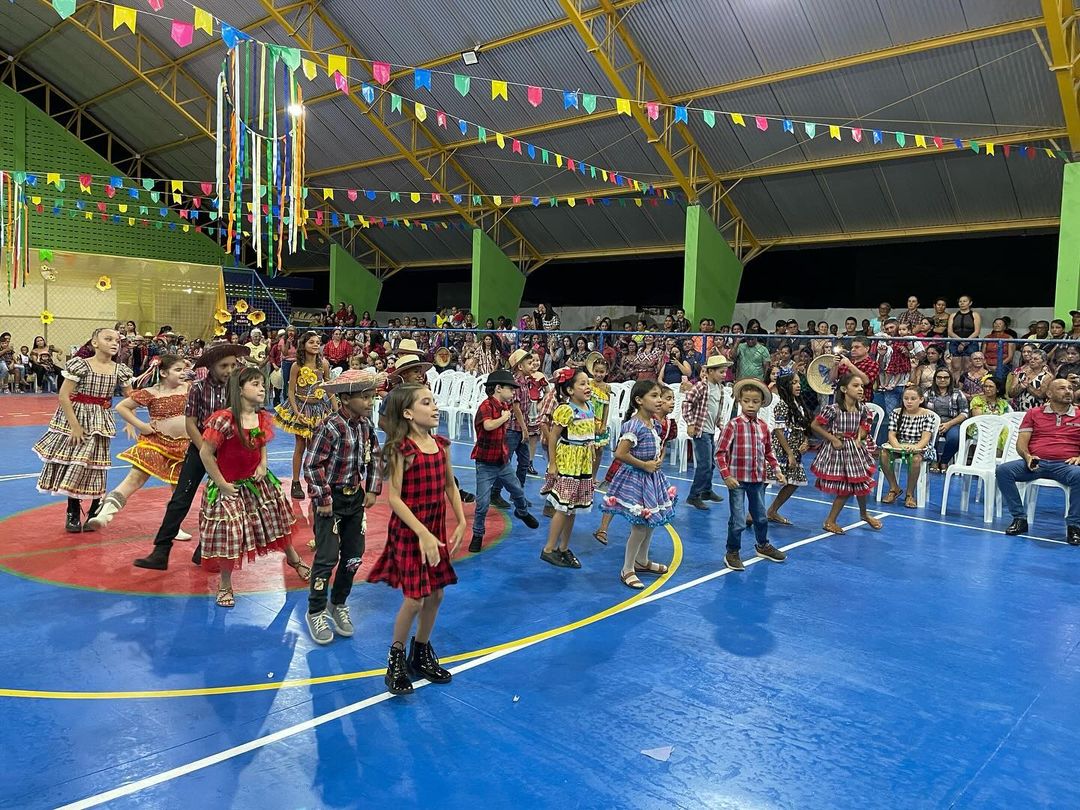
(515,146)
(157,5)
(535,96)
(196,202)
(440,118)
(110,191)
(856,135)
(101,207)
(1006,149)
(207,188)
(341,83)
(569,164)
(937,141)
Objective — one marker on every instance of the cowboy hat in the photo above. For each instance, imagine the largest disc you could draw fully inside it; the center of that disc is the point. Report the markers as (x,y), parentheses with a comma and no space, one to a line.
(758,385)
(517,356)
(821,372)
(353,381)
(220,351)
(717,361)
(592,359)
(501,377)
(407,346)
(443,357)
(407,361)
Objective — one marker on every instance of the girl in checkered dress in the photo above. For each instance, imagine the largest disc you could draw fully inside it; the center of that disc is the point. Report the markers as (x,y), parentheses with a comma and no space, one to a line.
(418,549)
(845,464)
(244,513)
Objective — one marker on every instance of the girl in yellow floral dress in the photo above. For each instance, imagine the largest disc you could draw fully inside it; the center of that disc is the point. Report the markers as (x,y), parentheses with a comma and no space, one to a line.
(571,446)
(597,368)
(307,403)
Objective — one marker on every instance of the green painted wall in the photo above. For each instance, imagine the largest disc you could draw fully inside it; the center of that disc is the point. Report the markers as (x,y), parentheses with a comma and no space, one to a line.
(712,272)
(352,283)
(31,141)
(1067,293)
(497,284)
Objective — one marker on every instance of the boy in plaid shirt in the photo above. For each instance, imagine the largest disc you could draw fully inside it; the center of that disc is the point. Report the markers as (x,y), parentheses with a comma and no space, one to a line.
(743,451)
(492,456)
(341,467)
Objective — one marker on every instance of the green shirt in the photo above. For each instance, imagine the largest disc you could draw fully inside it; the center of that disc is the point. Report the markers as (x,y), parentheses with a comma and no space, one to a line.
(751,361)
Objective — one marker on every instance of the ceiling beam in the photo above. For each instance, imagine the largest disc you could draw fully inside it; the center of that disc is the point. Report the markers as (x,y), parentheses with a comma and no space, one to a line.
(892,52)
(1061,35)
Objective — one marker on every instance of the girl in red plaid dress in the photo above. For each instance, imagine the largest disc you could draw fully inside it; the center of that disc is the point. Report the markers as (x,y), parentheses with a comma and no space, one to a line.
(416,558)
(244,513)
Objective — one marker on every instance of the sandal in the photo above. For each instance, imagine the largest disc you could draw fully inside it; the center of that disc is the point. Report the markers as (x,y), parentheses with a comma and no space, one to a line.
(601,536)
(891,496)
(630,580)
(872,522)
(829,526)
(911,503)
(303,570)
(783,521)
(226,598)
(650,568)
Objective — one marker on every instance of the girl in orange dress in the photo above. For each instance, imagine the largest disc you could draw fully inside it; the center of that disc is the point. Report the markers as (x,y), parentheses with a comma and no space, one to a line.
(161,442)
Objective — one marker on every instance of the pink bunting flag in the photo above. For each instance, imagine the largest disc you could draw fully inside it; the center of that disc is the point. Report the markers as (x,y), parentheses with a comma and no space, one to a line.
(1007,149)
(440,118)
(381,72)
(265,209)
(515,146)
(207,189)
(110,191)
(517,199)
(340,82)
(196,202)
(182,32)
(569,164)
(762,122)
(183,213)
(101,207)
(652,109)
(352,195)
(319,215)
(937,141)
(535,96)
(85,179)
(157,5)
(856,135)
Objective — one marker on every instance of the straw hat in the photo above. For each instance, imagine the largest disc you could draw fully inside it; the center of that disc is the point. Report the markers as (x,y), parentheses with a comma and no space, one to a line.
(821,373)
(750,382)
(517,356)
(591,360)
(408,361)
(717,361)
(407,346)
(353,381)
(443,357)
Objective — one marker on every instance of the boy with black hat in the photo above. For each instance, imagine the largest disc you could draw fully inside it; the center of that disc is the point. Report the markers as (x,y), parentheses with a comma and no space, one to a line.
(492,456)
(341,467)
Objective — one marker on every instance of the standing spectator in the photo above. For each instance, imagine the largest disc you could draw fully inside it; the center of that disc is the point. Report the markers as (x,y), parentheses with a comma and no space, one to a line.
(911,316)
(259,356)
(864,366)
(964,323)
(940,319)
(702,410)
(1075,332)
(488,357)
(992,347)
(681,323)
(1054,350)
(751,359)
(876,323)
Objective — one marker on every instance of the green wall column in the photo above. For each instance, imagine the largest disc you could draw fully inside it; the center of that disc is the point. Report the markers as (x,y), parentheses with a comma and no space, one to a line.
(352,283)
(497,283)
(712,273)
(1067,293)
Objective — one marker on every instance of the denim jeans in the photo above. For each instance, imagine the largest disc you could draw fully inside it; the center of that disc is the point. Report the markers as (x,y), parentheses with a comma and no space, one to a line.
(339,543)
(703,464)
(1012,472)
(488,475)
(286,370)
(888,401)
(516,445)
(952,444)
(755,495)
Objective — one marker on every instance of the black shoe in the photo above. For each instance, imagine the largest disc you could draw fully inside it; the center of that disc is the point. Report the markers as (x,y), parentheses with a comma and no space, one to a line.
(158,560)
(397,674)
(467,497)
(1073,535)
(712,496)
(196,555)
(554,558)
(697,503)
(423,663)
(477,544)
(1018,526)
(571,560)
(532,471)
(500,501)
(73,523)
(527,519)
(297,492)
(95,507)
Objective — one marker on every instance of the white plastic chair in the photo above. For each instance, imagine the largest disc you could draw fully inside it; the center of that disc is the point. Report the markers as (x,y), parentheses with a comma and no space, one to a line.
(456,404)
(922,486)
(878,417)
(982,466)
(1029,490)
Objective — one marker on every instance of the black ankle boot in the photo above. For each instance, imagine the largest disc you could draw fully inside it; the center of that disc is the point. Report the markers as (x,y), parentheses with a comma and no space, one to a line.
(424,664)
(74,512)
(95,507)
(397,675)
(196,556)
(157,560)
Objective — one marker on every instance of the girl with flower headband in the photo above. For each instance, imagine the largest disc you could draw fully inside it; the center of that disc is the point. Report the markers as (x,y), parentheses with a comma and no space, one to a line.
(244,513)
(569,481)
(308,404)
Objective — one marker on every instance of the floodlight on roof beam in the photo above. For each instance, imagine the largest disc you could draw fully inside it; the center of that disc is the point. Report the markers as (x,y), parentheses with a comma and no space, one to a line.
(469,57)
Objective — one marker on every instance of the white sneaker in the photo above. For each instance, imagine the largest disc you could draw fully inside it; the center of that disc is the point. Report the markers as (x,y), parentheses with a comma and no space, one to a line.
(182,535)
(108,510)
(338,615)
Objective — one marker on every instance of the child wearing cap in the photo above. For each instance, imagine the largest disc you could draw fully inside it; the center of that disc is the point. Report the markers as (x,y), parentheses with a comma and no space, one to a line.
(341,467)
(744,453)
(492,455)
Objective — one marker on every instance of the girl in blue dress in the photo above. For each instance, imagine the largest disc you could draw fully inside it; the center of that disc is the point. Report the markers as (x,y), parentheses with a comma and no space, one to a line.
(640,492)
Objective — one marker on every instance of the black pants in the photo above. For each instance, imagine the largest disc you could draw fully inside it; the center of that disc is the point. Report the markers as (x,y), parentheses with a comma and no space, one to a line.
(192,473)
(339,542)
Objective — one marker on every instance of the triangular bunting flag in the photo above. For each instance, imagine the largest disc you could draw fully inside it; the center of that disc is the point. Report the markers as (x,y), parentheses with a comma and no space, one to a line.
(901,139)
(310,69)
(421,112)
(761,122)
(810,129)
(680,115)
(856,135)
(440,118)
(920,141)
(124,15)
(203,21)
(182,33)
(461,84)
(395,103)
(709,117)
(421,79)
(65,8)
(789,127)
(622,106)
(652,110)
(569,99)
(588,101)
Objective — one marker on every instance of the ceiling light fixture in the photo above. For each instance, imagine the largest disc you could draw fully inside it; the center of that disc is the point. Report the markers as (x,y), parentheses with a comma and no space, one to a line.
(295,110)
(469,57)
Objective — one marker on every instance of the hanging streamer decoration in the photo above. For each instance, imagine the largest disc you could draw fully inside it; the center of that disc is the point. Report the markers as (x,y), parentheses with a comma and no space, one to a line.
(14,229)
(262,151)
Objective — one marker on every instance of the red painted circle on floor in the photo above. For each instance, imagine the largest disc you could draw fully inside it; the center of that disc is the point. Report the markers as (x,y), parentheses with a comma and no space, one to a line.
(33,544)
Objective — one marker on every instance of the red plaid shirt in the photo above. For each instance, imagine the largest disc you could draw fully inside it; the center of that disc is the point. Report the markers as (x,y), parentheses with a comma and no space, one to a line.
(491,444)
(344,452)
(871,368)
(744,449)
(204,398)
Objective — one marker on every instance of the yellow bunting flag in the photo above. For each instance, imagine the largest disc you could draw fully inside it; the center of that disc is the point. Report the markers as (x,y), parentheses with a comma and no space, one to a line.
(989,149)
(1049,152)
(310,68)
(500,140)
(558,161)
(498,88)
(604,173)
(335,63)
(920,140)
(88,215)
(124,15)
(421,112)
(131,221)
(186,228)
(571,201)
(328,194)
(834,131)
(415,196)
(203,21)
(736,118)
(497,200)
(123,208)
(622,106)
(637,201)
(36,200)
(53,179)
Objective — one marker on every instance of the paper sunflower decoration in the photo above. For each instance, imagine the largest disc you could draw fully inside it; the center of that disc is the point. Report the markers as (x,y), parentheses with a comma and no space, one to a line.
(241,306)
(256,316)
(48,273)
(319,393)
(306,377)
(219,330)
(223,316)
(104,283)
(47,317)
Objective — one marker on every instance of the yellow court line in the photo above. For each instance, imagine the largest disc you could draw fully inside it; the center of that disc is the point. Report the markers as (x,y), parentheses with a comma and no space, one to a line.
(676,561)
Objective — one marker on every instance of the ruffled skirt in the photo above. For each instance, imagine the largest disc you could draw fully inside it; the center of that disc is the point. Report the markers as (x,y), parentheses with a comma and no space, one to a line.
(158,455)
(78,471)
(302,423)
(254,522)
(644,499)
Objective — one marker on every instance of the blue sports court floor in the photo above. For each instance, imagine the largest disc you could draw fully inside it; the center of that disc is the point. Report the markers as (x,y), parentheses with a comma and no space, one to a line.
(932,664)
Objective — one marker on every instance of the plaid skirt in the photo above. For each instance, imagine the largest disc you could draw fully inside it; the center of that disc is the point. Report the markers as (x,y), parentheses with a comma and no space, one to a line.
(79,471)
(401,565)
(568,493)
(255,521)
(847,471)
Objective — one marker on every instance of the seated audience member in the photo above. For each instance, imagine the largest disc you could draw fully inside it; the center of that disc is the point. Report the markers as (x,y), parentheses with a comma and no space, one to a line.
(1049,449)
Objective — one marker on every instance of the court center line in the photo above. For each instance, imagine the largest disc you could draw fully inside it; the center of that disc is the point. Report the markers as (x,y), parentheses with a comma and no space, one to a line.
(315,722)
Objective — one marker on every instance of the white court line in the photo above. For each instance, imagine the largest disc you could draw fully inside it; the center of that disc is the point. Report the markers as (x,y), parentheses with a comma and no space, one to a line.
(344,711)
